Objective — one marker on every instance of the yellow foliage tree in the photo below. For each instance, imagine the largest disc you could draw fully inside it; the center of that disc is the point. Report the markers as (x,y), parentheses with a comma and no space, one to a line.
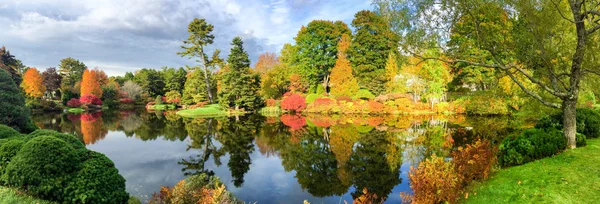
(32,83)
(394,84)
(342,81)
(90,84)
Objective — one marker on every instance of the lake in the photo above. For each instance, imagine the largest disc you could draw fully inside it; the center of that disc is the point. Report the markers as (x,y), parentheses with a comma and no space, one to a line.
(281,159)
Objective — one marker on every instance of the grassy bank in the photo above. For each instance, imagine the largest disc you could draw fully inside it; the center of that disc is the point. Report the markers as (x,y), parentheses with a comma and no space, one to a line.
(11,196)
(206,111)
(570,177)
(75,110)
(162,107)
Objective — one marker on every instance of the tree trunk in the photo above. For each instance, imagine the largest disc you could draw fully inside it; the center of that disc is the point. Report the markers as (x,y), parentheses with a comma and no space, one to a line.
(206,79)
(570,122)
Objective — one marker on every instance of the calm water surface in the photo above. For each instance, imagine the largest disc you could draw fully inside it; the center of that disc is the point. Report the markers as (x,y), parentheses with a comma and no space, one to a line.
(283,159)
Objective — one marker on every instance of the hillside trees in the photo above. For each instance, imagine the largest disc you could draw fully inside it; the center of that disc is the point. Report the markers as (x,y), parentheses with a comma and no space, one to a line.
(239,85)
(32,83)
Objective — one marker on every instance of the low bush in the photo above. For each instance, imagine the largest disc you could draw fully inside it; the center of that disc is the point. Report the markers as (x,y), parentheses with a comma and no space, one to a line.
(90,99)
(194,189)
(69,139)
(7,132)
(311,98)
(588,122)
(581,140)
(126,101)
(293,102)
(323,105)
(364,94)
(530,145)
(42,167)
(344,98)
(474,161)
(271,102)
(98,181)
(198,105)
(74,103)
(8,150)
(434,181)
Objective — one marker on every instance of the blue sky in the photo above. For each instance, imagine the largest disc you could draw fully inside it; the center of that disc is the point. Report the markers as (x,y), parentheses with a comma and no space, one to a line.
(125,35)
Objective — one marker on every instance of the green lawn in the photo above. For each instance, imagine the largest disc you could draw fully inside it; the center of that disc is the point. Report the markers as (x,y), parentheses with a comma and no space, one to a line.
(570,177)
(11,196)
(75,110)
(206,111)
(162,107)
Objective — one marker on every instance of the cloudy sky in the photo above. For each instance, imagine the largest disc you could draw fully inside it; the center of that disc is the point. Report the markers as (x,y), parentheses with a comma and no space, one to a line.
(125,35)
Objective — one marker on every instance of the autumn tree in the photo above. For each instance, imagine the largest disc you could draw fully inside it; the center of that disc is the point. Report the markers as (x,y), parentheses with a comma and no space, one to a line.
(393,84)
(52,80)
(316,49)
(101,76)
(518,38)
(200,36)
(266,62)
(275,82)
(71,70)
(371,44)
(32,83)
(89,84)
(239,84)
(342,81)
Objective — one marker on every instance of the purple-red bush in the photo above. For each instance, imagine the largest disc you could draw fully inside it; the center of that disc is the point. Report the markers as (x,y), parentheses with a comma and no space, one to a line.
(293,102)
(126,101)
(74,103)
(90,99)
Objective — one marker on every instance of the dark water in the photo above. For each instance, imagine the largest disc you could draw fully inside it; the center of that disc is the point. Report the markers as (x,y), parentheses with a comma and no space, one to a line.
(284,159)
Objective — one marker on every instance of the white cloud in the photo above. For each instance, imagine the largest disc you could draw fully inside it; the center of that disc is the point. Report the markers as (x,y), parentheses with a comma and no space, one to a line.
(127,34)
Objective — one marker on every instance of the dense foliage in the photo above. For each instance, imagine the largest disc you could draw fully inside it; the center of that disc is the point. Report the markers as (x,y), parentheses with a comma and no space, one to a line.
(239,86)
(13,112)
(32,83)
(588,122)
(530,145)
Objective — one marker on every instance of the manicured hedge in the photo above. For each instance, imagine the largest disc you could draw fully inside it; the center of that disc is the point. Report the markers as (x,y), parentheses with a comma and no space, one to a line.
(7,132)
(530,145)
(588,122)
(56,166)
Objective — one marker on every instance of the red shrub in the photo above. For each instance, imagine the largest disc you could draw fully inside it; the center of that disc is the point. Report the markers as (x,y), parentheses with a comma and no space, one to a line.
(293,102)
(344,98)
(126,101)
(74,103)
(90,99)
(271,102)
(175,100)
(295,122)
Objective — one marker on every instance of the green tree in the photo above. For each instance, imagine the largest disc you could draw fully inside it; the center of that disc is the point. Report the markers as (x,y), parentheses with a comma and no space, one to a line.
(239,85)
(194,90)
(12,65)
(71,70)
(371,43)
(13,112)
(275,82)
(200,36)
(342,81)
(151,81)
(174,79)
(316,49)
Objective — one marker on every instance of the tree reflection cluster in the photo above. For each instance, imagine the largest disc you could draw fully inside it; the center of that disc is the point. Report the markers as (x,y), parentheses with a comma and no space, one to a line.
(329,154)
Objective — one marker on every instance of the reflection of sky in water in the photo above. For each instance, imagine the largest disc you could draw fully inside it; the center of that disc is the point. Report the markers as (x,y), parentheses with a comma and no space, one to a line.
(146,165)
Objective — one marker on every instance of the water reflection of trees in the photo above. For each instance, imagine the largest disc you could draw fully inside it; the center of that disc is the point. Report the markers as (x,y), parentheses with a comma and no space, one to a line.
(329,154)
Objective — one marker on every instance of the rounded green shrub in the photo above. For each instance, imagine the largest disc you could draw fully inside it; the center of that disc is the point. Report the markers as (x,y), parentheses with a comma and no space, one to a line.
(13,112)
(97,182)
(588,122)
(7,132)
(7,151)
(70,139)
(364,94)
(42,166)
(530,145)
(311,98)
(581,140)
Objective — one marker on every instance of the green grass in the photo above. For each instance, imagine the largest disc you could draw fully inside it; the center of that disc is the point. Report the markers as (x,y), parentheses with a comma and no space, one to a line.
(75,110)
(11,196)
(270,111)
(206,111)
(570,177)
(162,107)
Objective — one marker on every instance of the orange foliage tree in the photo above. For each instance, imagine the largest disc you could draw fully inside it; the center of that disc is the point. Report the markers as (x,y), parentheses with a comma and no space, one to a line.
(266,62)
(342,81)
(32,83)
(101,76)
(90,84)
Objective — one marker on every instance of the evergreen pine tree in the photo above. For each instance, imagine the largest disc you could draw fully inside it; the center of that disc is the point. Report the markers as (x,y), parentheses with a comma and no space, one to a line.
(239,85)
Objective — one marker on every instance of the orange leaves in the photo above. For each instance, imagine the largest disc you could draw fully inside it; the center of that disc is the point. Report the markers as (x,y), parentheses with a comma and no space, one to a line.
(32,83)
(342,81)
(266,62)
(90,83)
(293,102)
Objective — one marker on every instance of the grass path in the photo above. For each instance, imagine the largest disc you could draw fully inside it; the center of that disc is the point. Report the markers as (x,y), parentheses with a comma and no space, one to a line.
(570,177)
(11,196)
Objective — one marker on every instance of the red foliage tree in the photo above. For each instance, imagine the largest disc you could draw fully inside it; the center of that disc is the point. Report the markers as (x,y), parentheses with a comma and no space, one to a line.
(90,99)
(74,103)
(293,102)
